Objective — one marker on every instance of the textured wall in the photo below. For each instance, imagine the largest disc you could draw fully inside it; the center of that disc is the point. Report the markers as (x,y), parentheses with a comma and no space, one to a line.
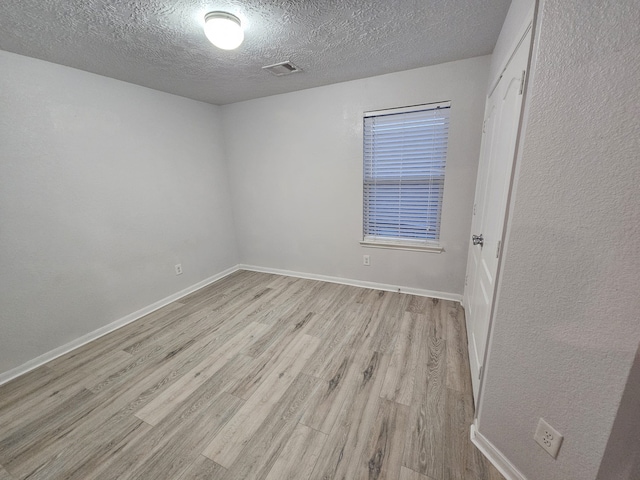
(566,328)
(104,186)
(296,174)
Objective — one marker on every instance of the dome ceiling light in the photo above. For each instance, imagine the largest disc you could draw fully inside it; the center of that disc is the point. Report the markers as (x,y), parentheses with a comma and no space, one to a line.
(223,29)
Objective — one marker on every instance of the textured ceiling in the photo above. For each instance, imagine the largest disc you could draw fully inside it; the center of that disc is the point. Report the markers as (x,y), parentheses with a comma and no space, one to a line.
(161,45)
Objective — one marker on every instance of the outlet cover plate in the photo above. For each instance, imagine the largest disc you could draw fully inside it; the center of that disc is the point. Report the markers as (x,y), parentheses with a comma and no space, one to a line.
(548,438)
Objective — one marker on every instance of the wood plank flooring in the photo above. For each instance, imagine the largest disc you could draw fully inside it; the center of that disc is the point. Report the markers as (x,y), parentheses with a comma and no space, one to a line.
(257,376)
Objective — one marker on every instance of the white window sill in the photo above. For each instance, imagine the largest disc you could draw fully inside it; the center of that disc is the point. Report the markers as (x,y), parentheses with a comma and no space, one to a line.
(397,245)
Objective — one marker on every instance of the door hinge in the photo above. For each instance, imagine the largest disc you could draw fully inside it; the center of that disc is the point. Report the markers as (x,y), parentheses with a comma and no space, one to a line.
(522,82)
(466,279)
(474,208)
(498,249)
(484,126)
(480,372)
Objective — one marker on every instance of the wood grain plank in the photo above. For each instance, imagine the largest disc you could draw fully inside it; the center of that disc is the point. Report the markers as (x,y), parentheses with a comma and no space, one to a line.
(424,444)
(351,419)
(457,444)
(329,307)
(57,388)
(86,456)
(205,321)
(291,300)
(336,344)
(299,455)
(400,379)
(18,446)
(223,313)
(172,445)
(230,285)
(172,352)
(83,414)
(73,423)
(341,370)
(194,349)
(353,331)
(146,326)
(4,475)
(164,403)
(418,304)
(115,340)
(458,371)
(203,469)
(435,309)
(382,457)
(247,381)
(390,315)
(326,403)
(134,387)
(24,412)
(96,371)
(179,442)
(104,459)
(220,296)
(16,390)
(407,474)
(291,322)
(262,448)
(350,434)
(228,444)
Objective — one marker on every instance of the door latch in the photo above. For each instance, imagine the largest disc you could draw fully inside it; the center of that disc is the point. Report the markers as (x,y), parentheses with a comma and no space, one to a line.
(477,240)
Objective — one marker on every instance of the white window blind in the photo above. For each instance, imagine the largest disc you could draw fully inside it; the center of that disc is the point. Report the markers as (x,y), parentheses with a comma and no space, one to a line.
(405,152)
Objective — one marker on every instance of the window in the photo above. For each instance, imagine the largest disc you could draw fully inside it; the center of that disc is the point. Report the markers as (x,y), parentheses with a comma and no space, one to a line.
(405,151)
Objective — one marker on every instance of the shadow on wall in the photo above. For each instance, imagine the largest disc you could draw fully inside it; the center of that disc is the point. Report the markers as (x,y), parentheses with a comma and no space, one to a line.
(621,459)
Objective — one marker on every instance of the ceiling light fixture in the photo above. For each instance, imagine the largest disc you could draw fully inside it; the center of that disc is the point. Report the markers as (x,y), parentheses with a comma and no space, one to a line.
(223,30)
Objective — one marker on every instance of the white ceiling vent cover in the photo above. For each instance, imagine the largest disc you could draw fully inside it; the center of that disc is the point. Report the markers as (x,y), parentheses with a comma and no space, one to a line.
(282,68)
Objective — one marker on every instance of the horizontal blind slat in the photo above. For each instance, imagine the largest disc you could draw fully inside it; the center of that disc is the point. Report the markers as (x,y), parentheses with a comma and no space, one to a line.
(404,167)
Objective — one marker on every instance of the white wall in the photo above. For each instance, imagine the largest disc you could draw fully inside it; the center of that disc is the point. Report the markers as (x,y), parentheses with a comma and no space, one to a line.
(566,327)
(104,186)
(296,176)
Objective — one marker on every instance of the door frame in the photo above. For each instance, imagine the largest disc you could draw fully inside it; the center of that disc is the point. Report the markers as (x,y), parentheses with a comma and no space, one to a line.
(528,26)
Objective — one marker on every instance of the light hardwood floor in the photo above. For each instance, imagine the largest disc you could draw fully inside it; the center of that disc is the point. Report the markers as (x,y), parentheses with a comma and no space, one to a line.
(257,376)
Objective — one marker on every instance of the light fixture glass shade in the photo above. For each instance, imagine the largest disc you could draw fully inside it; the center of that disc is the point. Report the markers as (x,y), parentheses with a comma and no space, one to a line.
(223,30)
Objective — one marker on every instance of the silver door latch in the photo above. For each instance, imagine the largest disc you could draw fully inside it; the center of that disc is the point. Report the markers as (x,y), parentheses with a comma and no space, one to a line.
(477,240)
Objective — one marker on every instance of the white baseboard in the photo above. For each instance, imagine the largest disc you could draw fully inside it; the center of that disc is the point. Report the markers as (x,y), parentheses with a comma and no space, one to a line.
(78,342)
(356,283)
(495,456)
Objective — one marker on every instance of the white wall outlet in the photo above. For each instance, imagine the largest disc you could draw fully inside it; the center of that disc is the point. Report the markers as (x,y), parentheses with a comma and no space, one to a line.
(548,438)
(366,260)
(179,269)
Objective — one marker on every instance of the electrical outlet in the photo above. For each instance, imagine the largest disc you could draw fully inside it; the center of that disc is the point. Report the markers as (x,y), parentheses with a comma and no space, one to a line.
(179,269)
(366,260)
(548,438)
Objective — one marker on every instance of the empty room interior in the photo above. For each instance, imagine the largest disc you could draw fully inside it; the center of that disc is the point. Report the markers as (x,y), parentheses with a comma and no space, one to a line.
(366,239)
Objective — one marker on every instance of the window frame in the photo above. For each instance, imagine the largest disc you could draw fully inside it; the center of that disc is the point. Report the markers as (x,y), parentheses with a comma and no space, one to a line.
(411,244)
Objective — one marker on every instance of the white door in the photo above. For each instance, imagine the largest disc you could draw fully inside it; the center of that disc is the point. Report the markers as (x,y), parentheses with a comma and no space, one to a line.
(500,130)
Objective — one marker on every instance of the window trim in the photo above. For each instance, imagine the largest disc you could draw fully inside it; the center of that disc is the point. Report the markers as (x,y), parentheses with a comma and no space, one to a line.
(409,109)
(371,241)
(402,244)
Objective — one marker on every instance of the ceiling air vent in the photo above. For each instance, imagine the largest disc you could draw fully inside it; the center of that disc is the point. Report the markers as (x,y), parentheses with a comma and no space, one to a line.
(282,68)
